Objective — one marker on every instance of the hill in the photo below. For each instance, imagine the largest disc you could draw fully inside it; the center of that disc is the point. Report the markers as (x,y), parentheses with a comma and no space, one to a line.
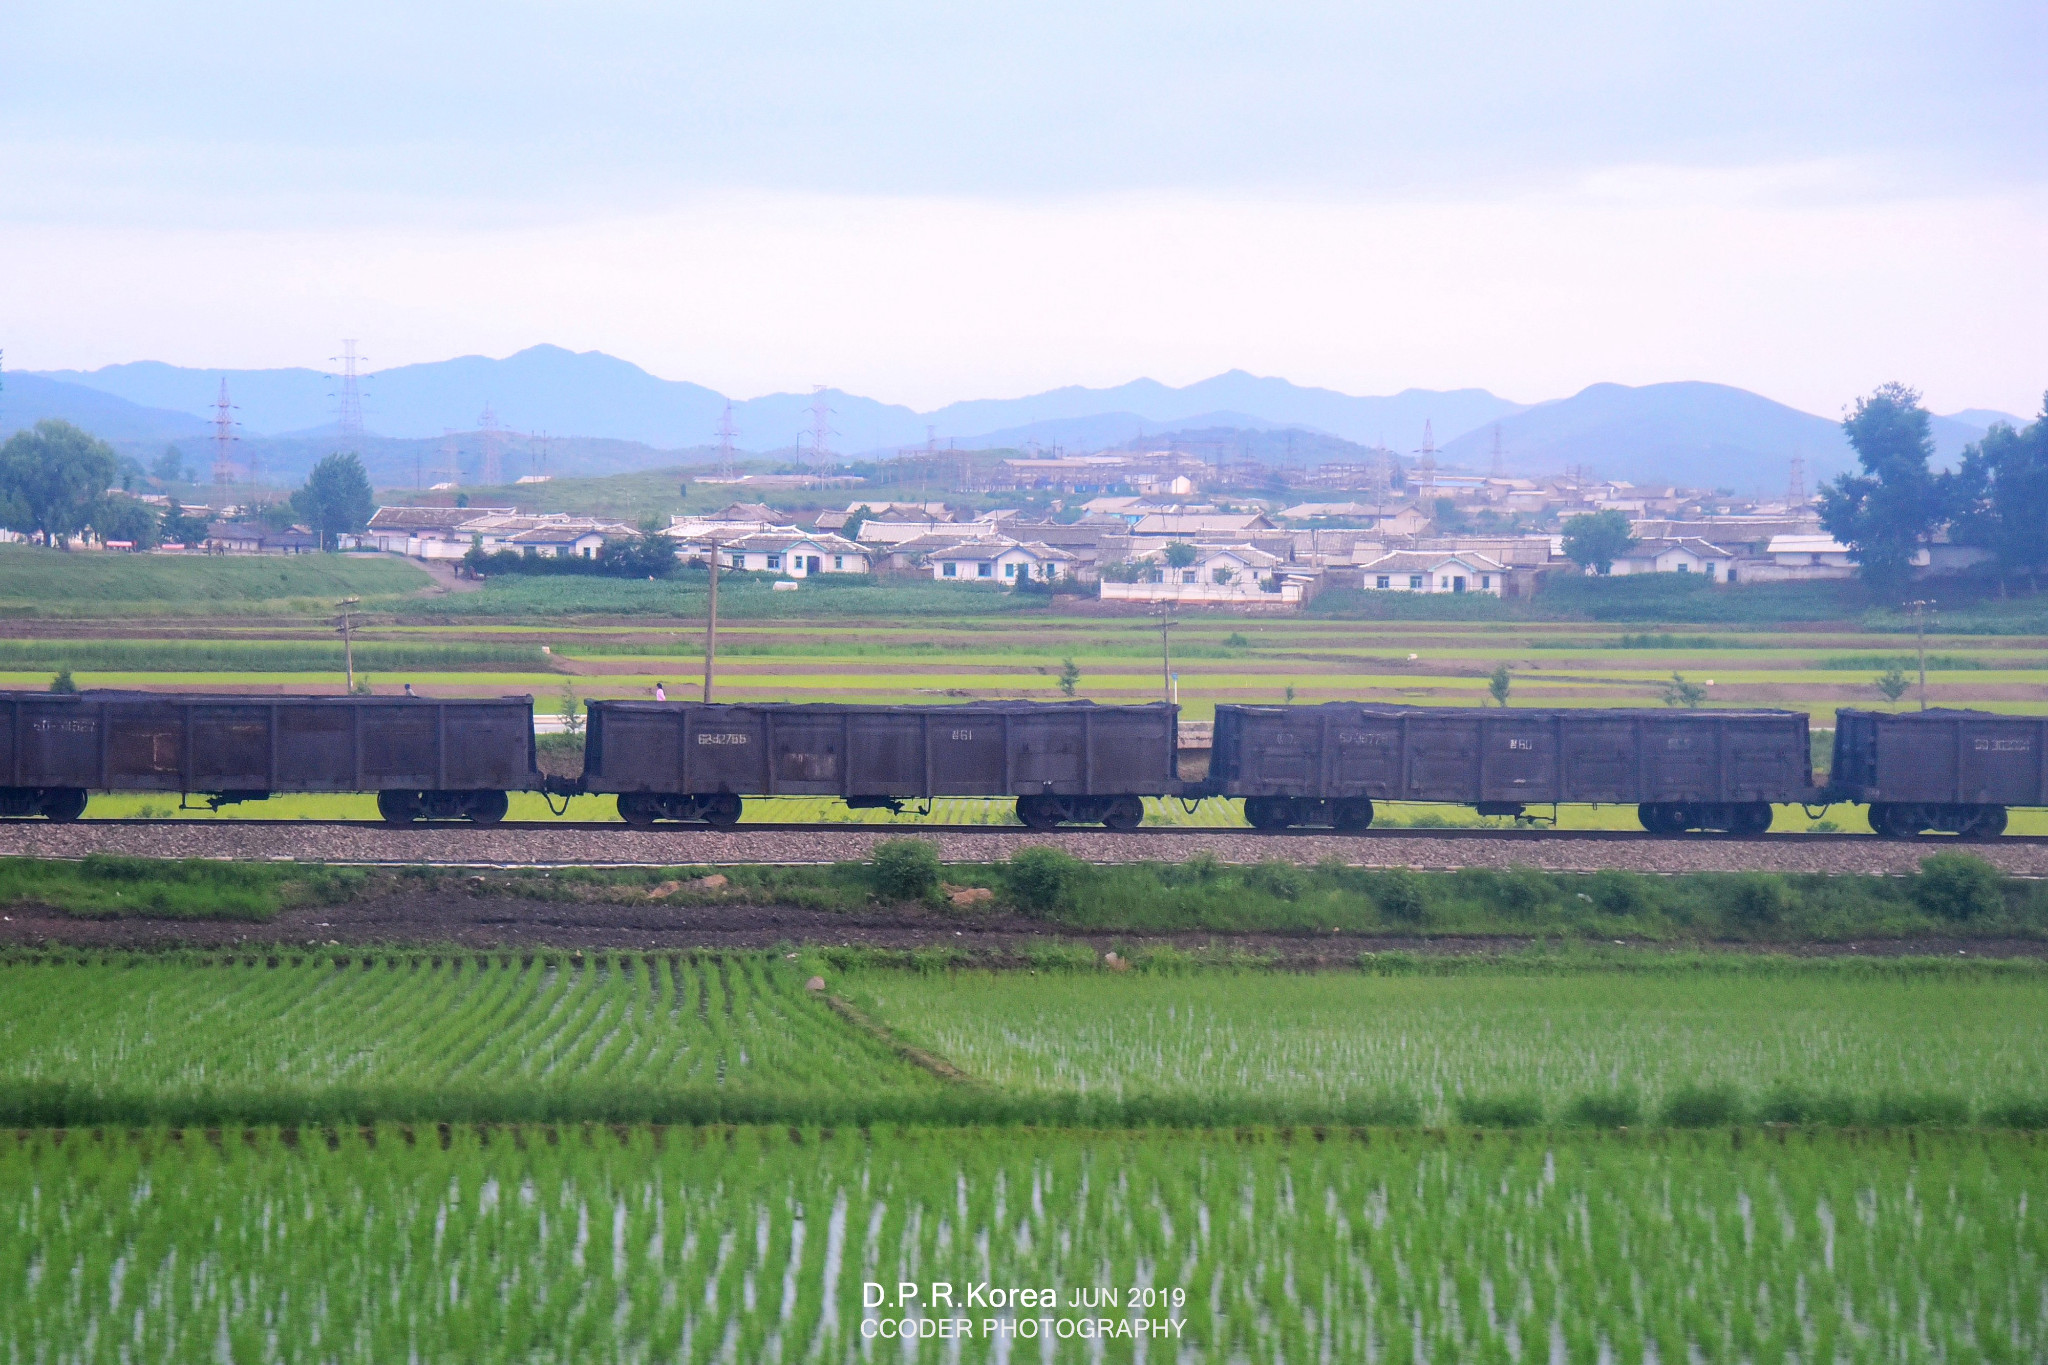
(26,399)
(1705,435)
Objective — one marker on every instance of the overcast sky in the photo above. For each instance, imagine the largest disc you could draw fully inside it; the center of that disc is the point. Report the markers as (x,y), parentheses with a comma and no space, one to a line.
(925,203)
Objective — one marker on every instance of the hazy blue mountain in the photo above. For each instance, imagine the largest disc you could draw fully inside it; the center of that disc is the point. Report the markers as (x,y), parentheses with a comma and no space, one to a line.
(1104,430)
(547,388)
(1985,417)
(26,399)
(1705,435)
(1276,402)
(265,401)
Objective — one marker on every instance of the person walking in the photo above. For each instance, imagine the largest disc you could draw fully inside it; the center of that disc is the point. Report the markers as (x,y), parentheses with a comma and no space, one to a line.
(660,692)
(409,692)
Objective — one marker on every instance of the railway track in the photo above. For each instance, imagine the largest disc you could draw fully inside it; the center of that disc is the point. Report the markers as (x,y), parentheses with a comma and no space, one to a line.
(551,844)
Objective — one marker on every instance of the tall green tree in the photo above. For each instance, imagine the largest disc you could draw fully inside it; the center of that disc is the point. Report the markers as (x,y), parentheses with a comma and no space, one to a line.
(52,479)
(1998,497)
(1888,511)
(119,518)
(1594,540)
(336,500)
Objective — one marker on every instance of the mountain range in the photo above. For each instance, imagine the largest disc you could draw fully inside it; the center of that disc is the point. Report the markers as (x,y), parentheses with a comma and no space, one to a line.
(1694,433)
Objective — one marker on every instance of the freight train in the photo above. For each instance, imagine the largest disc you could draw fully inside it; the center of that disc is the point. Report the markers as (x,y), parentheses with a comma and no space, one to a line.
(1062,763)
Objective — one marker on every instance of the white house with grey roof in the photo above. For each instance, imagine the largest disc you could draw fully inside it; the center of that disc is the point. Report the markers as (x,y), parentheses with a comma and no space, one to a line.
(793,554)
(1435,571)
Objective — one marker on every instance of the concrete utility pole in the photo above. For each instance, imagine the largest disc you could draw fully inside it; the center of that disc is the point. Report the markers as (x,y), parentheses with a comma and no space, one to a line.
(1166,624)
(348,653)
(711,626)
(1920,610)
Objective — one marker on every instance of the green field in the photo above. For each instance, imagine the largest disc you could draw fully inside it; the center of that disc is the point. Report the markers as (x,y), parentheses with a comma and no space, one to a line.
(543,1244)
(1459,1046)
(334,1035)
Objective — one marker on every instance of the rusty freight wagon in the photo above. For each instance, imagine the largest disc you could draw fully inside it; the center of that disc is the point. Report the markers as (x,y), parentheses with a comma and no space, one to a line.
(424,758)
(1062,761)
(1946,769)
(1682,770)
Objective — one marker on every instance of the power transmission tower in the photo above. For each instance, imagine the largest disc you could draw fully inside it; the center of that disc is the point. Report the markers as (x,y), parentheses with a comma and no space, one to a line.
(1499,458)
(350,417)
(453,457)
(1795,491)
(821,427)
(223,442)
(492,432)
(726,431)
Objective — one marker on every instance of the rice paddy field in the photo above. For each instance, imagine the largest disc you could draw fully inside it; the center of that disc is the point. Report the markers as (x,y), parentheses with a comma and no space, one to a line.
(575,1244)
(351,1156)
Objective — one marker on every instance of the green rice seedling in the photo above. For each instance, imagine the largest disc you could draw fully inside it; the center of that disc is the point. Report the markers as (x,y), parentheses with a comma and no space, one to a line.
(550,1243)
(1782,1042)
(1523,1110)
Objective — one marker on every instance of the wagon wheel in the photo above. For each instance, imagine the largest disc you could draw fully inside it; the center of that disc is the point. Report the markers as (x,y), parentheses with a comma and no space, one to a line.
(63,804)
(1123,812)
(721,809)
(1987,822)
(1752,818)
(1354,814)
(1883,821)
(1037,812)
(398,807)
(486,808)
(1658,818)
(638,810)
(1268,812)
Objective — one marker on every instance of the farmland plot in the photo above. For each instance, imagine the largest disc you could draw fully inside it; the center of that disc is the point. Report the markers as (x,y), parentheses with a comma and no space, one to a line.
(1352,1047)
(539,1244)
(488,1036)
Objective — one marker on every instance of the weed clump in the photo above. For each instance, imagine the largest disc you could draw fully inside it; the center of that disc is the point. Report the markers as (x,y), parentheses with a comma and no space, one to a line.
(1041,879)
(906,869)
(1958,886)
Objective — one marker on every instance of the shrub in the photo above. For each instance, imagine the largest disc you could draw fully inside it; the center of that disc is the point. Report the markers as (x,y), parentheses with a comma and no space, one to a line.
(1756,899)
(1605,1109)
(1524,1110)
(906,869)
(1958,886)
(1040,879)
(1281,880)
(1789,1104)
(1617,893)
(1701,1106)
(1401,896)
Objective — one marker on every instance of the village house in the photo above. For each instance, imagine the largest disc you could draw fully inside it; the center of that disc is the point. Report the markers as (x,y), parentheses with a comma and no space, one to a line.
(423,532)
(247,538)
(999,560)
(1683,554)
(1452,571)
(793,554)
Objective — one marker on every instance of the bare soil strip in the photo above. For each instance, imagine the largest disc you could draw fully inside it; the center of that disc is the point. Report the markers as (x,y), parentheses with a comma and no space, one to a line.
(612,845)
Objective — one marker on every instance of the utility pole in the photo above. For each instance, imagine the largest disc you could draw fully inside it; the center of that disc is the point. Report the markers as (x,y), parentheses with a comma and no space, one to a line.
(1166,624)
(348,653)
(1920,610)
(711,624)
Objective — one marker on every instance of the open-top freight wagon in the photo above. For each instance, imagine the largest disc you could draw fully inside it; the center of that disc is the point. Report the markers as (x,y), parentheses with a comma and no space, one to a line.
(1328,764)
(1950,770)
(425,758)
(1062,761)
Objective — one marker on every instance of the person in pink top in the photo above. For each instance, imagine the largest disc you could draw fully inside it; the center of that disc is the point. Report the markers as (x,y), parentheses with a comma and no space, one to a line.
(660,692)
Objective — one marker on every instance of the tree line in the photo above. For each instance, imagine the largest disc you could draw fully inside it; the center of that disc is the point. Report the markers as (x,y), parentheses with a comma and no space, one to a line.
(57,483)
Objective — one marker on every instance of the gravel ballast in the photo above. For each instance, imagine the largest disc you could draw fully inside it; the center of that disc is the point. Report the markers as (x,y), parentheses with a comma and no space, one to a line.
(559,845)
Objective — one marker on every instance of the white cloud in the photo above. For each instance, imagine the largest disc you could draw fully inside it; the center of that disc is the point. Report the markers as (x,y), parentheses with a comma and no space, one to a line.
(1762,277)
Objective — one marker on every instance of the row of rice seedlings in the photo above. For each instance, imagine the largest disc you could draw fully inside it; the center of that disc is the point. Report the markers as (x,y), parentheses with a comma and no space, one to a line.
(548,1035)
(696,1245)
(1901,1048)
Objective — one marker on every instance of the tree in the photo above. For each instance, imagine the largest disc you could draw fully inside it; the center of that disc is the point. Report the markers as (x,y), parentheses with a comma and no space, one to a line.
(1998,497)
(1498,682)
(1885,513)
(1070,676)
(62,683)
(336,499)
(855,520)
(169,466)
(126,519)
(1679,692)
(52,479)
(1594,540)
(180,529)
(641,556)
(1893,683)
(1180,554)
